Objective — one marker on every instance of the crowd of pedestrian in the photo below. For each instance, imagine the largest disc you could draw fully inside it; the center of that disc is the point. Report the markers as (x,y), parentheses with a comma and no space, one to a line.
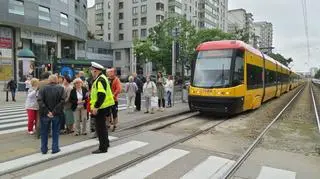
(57,104)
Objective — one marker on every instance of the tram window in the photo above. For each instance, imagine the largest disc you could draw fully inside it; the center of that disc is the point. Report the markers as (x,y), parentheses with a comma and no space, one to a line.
(270,78)
(254,76)
(238,76)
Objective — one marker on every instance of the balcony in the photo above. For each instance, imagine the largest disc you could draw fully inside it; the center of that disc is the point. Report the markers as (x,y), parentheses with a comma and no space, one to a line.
(99,32)
(175,3)
(99,22)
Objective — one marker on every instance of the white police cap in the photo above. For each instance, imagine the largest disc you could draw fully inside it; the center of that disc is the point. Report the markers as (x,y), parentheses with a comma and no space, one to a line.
(96,66)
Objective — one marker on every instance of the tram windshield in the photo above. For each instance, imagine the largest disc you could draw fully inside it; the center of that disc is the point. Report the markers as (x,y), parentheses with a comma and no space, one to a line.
(212,69)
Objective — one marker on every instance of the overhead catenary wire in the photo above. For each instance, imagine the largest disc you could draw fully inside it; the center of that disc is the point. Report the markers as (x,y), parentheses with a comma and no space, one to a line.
(306,27)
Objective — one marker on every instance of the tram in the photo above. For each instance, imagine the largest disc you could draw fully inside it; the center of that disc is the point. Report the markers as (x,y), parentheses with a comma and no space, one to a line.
(230,77)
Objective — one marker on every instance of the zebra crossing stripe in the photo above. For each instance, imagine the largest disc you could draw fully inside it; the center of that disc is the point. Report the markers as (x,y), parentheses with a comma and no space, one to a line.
(32,159)
(268,172)
(13,120)
(151,165)
(13,113)
(13,124)
(212,167)
(13,110)
(13,116)
(88,161)
(11,107)
(13,130)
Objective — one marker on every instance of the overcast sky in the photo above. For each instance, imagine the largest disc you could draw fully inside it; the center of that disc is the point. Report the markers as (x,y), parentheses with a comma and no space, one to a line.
(289,35)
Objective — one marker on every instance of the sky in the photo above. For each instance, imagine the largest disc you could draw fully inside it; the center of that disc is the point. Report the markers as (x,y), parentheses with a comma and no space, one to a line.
(289,37)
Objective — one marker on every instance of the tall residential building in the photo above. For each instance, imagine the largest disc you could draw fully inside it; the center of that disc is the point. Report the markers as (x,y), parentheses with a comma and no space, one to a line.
(313,71)
(50,28)
(122,21)
(239,19)
(264,33)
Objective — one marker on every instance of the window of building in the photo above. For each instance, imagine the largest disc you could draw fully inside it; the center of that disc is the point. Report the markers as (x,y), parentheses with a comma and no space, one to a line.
(109,15)
(81,46)
(44,13)
(109,5)
(121,26)
(143,32)
(99,6)
(16,7)
(120,15)
(102,51)
(135,1)
(134,10)
(64,19)
(160,6)
(118,55)
(109,36)
(159,18)
(143,0)
(90,49)
(135,22)
(143,9)
(144,21)
(135,33)
(109,26)
(120,5)
(64,1)
(99,17)
(76,26)
(121,36)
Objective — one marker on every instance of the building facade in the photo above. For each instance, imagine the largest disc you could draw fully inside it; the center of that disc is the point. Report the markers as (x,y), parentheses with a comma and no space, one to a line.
(49,28)
(122,21)
(313,71)
(240,20)
(264,33)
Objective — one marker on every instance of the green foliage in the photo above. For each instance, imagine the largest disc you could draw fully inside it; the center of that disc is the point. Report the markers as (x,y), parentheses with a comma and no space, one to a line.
(281,59)
(317,75)
(90,35)
(241,34)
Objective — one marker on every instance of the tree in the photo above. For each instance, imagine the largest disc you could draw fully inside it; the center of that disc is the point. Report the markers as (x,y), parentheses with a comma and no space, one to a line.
(90,35)
(317,75)
(242,34)
(161,37)
(281,59)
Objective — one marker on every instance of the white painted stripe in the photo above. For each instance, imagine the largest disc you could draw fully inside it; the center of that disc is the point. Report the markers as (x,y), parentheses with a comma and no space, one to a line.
(13,120)
(12,110)
(268,172)
(13,113)
(38,157)
(13,124)
(13,116)
(151,165)
(85,162)
(12,107)
(213,167)
(13,130)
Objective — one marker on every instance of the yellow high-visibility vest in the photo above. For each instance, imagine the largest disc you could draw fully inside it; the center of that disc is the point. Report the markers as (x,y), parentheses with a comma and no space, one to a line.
(98,87)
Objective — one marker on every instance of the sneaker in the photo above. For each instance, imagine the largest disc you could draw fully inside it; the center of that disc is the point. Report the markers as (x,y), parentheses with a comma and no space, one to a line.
(31,132)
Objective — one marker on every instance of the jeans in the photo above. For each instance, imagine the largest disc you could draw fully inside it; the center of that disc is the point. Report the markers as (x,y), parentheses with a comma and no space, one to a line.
(169,98)
(13,94)
(44,131)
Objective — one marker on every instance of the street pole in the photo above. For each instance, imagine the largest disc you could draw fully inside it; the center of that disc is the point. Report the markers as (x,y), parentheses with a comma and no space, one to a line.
(173,69)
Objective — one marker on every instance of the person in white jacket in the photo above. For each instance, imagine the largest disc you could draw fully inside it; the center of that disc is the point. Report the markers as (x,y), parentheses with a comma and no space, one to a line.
(131,89)
(32,106)
(149,91)
(169,88)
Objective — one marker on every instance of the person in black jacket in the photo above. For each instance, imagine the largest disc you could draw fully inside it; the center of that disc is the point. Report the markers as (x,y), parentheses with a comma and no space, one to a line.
(78,99)
(12,86)
(138,92)
(51,100)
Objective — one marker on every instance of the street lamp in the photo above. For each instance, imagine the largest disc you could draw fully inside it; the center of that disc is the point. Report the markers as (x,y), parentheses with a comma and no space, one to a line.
(175,34)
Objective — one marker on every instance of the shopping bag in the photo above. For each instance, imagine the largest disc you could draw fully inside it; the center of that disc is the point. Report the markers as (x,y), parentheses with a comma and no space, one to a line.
(154,101)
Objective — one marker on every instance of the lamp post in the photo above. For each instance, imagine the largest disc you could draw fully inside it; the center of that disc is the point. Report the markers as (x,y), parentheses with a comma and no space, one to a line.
(175,34)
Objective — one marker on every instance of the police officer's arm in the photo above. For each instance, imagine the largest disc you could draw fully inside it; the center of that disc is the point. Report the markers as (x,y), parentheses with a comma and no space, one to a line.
(101,88)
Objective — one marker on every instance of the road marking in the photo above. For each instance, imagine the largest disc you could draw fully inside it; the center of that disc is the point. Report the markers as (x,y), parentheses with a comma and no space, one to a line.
(151,165)
(88,161)
(13,113)
(13,110)
(212,167)
(268,172)
(13,124)
(13,130)
(38,157)
(13,120)
(13,116)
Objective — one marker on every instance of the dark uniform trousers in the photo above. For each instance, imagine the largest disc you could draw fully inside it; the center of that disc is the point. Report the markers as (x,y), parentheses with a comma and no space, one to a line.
(101,128)
(138,101)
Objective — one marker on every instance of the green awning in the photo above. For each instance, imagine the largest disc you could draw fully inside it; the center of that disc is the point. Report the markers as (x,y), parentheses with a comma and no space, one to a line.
(26,53)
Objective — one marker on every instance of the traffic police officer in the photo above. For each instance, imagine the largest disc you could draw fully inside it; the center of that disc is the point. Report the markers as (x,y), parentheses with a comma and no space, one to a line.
(101,99)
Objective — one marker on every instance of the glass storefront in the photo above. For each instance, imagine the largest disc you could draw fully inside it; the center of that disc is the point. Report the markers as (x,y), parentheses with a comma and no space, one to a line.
(6,53)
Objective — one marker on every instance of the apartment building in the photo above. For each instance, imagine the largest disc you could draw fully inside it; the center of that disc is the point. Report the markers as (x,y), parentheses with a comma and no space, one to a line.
(122,21)
(264,33)
(239,19)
